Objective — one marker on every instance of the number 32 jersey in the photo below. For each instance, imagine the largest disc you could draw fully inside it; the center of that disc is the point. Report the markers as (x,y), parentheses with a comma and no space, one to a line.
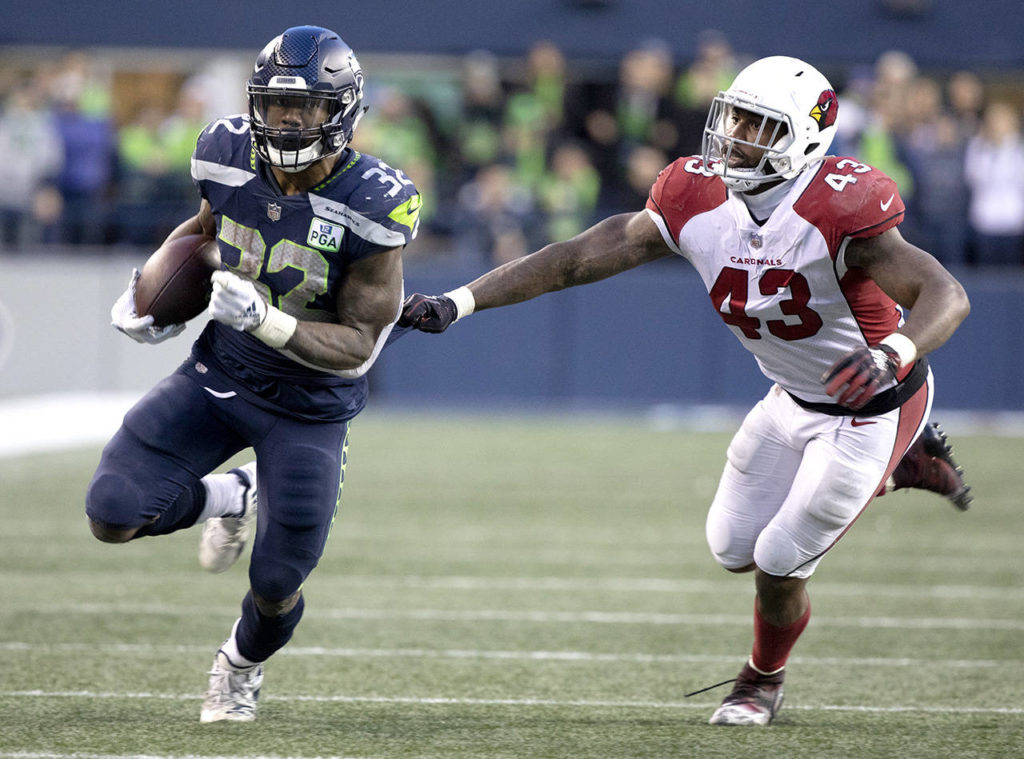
(782,287)
(296,249)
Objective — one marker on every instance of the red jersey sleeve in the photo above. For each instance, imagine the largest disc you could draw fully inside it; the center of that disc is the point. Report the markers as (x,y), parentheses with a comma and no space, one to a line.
(682,190)
(847,198)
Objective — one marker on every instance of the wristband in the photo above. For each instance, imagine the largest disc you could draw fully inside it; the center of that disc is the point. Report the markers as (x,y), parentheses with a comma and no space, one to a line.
(903,346)
(277,328)
(464,301)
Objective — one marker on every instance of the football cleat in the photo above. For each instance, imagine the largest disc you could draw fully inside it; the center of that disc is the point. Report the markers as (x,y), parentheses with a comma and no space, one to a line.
(223,538)
(929,465)
(755,699)
(232,693)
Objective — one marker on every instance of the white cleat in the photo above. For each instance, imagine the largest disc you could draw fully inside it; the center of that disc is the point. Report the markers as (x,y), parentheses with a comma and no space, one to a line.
(223,538)
(232,693)
(755,699)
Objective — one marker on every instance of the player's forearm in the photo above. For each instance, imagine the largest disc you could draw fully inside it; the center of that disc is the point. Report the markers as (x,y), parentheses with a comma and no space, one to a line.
(524,278)
(590,256)
(331,346)
(937,312)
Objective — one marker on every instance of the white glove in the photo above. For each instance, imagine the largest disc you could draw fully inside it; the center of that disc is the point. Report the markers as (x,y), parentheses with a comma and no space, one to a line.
(141,329)
(236,302)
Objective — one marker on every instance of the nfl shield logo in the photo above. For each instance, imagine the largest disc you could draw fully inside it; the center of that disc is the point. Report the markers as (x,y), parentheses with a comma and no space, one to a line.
(274,211)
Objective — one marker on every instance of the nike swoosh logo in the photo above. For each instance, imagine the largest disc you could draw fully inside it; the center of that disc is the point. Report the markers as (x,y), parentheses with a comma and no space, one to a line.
(853,422)
(886,204)
(215,394)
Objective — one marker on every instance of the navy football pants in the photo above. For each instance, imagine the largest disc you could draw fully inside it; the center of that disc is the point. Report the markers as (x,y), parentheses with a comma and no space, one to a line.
(180,431)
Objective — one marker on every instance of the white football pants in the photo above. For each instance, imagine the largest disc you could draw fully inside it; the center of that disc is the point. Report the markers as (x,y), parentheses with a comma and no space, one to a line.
(795,480)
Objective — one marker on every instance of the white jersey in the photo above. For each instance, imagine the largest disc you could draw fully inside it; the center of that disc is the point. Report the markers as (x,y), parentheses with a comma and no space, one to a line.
(783,287)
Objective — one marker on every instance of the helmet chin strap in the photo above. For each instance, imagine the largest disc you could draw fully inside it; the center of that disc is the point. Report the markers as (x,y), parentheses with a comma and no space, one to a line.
(298,166)
(750,180)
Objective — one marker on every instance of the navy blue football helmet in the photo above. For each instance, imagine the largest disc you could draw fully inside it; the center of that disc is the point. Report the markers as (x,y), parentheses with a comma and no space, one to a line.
(305,97)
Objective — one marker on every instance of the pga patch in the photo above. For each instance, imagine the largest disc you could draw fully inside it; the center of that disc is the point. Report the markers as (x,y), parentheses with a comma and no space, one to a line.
(325,235)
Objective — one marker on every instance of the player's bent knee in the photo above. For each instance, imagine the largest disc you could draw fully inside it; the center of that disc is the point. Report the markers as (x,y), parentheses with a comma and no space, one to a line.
(731,550)
(112,502)
(733,560)
(276,608)
(775,552)
(108,534)
(275,579)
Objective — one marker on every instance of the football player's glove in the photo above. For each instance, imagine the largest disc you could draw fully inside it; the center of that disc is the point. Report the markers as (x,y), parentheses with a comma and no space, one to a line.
(858,375)
(428,313)
(141,329)
(235,302)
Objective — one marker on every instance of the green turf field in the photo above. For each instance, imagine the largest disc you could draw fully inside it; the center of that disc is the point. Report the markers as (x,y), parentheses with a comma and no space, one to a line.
(502,587)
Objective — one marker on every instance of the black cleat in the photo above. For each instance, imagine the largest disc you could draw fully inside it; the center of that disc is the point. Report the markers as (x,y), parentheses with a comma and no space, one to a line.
(929,465)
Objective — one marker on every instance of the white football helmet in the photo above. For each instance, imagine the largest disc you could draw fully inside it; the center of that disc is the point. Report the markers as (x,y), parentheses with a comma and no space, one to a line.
(798,110)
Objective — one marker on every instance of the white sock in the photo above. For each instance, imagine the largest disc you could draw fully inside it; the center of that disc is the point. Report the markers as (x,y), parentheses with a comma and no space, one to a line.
(229,656)
(750,661)
(224,497)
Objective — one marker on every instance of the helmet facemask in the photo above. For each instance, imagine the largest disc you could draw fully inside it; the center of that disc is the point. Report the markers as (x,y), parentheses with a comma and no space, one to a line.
(783,92)
(294,127)
(772,139)
(305,98)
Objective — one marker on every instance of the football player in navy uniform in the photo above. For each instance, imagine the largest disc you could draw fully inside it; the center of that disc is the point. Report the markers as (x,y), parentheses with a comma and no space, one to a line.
(802,259)
(309,288)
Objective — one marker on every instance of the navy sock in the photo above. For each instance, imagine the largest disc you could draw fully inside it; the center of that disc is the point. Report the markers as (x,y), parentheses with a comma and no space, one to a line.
(258,636)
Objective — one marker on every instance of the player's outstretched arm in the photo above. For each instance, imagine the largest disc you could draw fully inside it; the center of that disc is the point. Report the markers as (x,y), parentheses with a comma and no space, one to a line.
(612,246)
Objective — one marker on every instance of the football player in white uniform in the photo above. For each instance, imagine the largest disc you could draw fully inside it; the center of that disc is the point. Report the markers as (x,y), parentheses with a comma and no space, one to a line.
(803,261)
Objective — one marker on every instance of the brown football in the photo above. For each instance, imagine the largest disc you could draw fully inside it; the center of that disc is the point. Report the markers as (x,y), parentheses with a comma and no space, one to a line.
(174,285)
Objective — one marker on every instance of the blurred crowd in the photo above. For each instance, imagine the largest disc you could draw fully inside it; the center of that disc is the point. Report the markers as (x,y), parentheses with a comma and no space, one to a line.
(527,152)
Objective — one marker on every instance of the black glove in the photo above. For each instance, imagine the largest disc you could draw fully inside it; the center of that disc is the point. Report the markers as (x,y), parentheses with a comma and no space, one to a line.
(428,313)
(857,376)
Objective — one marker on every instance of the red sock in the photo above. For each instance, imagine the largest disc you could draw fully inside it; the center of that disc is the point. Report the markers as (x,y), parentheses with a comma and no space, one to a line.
(772,644)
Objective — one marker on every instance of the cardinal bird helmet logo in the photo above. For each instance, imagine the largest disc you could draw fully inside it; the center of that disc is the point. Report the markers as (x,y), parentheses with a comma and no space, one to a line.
(826,109)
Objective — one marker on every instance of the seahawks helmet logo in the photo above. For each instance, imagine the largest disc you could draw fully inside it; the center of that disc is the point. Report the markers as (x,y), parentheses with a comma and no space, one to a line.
(825,111)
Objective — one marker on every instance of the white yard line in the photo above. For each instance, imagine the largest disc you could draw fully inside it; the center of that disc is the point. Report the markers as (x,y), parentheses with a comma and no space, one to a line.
(661,585)
(554,584)
(155,649)
(527,615)
(541,702)
(83,755)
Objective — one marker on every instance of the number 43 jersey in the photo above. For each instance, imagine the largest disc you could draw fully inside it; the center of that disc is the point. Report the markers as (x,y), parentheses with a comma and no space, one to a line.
(782,287)
(296,249)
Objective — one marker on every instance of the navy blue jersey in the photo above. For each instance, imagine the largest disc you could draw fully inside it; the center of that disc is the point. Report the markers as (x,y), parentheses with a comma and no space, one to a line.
(296,249)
